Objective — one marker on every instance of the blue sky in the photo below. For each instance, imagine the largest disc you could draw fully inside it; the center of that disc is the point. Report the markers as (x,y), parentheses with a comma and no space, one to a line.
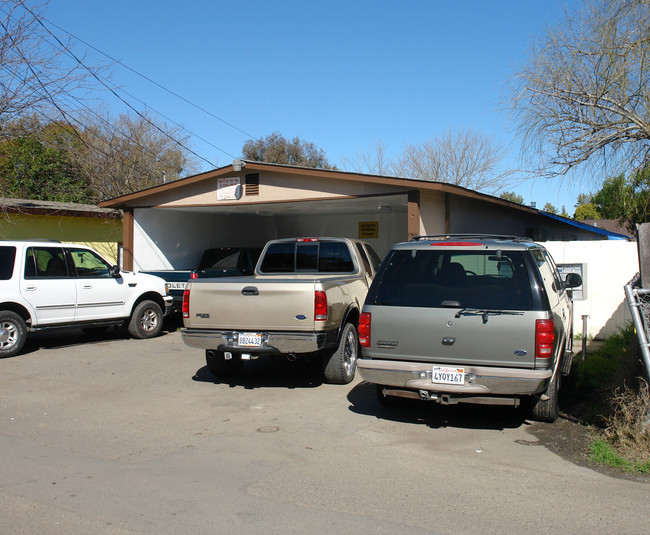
(341,74)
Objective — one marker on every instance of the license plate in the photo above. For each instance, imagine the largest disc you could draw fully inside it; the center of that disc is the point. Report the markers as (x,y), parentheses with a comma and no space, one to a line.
(448,376)
(176,285)
(250,339)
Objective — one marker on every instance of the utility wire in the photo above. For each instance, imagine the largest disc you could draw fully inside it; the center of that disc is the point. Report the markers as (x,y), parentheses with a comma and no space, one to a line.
(67,118)
(152,81)
(51,99)
(103,83)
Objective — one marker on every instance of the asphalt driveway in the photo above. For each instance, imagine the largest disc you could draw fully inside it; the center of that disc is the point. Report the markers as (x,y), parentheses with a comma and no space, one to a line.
(116,436)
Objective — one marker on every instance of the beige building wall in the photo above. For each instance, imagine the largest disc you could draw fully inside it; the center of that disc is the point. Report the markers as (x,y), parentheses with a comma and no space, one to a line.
(433,213)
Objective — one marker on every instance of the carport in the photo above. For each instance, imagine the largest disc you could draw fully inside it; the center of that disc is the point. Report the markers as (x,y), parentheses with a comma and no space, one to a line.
(248,203)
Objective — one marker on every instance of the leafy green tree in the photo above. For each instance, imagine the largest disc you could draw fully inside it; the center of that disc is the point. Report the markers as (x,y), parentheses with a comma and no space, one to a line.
(586,211)
(564,213)
(38,165)
(548,207)
(584,198)
(274,148)
(512,197)
(626,198)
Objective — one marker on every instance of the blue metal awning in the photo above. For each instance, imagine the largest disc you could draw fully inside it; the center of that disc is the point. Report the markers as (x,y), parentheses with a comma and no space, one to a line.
(589,228)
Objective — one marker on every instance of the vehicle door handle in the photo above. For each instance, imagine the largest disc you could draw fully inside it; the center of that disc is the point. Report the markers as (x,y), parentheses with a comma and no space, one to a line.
(30,288)
(250,290)
(87,286)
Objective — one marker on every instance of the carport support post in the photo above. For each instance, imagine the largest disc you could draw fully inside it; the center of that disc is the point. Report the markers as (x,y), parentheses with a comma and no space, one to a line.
(413,214)
(127,240)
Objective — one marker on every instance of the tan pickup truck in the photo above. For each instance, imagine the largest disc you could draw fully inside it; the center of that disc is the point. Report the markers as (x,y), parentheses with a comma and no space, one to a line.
(304,300)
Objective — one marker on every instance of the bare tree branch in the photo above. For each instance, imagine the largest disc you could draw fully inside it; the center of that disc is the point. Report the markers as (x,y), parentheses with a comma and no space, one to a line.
(36,73)
(584,95)
(465,158)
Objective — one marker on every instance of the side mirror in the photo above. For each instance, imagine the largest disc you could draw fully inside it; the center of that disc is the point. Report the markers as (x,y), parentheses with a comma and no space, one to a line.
(115,271)
(573,280)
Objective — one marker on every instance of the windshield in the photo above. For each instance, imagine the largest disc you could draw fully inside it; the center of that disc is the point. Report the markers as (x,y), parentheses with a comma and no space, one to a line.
(496,280)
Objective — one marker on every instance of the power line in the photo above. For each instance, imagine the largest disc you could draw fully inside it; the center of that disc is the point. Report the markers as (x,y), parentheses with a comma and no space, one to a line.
(103,83)
(152,81)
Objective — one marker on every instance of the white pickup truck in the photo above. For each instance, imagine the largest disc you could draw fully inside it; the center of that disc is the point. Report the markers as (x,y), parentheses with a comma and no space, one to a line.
(48,284)
(304,300)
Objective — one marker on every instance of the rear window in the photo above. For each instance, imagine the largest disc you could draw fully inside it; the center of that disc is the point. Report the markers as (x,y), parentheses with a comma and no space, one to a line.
(7,260)
(308,257)
(495,280)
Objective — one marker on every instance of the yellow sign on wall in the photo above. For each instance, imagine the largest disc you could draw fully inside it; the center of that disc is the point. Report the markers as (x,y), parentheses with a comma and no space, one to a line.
(368,229)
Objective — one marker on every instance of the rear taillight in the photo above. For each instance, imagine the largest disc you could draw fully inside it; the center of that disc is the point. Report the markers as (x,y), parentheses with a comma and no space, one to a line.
(320,306)
(194,275)
(544,338)
(186,304)
(364,329)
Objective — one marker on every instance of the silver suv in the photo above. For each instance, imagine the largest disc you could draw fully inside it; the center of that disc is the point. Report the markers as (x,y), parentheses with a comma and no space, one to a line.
(468,319)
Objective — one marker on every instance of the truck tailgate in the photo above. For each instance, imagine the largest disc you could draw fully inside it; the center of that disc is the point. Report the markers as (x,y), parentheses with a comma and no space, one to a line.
(249,303)
(438,336)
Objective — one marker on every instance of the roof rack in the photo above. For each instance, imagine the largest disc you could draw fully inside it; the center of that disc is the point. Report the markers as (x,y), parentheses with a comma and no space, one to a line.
(38,240)
(470,236)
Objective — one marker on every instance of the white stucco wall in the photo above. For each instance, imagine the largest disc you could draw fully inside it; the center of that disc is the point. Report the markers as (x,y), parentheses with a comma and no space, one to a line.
(609,266)
(392,227)
(172,239)
(169,239)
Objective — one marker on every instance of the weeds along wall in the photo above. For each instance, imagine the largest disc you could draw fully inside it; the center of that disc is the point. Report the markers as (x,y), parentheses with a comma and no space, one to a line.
(606,267)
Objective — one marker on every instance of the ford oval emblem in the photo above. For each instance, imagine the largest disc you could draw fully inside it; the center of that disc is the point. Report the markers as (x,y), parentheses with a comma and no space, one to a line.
(520,353)
(301,317)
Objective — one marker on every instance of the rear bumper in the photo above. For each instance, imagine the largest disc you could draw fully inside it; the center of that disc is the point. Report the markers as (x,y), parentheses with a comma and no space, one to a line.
(479,380)
(272,342)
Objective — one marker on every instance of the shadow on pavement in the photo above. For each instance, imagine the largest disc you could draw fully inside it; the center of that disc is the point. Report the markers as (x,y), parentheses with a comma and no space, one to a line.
(363,400)
(73,336)
(269,373)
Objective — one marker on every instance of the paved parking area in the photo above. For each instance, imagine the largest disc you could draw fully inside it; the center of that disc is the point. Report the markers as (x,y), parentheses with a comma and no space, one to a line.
(116,436)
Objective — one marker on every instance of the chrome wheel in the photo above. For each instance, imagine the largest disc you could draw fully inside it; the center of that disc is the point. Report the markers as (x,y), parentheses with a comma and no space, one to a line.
(13,333)
(8,335)
(146,321)
(350,352)
(149,320)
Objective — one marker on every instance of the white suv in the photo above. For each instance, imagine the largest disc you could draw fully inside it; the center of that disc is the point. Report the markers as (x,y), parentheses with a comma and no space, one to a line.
(45,284)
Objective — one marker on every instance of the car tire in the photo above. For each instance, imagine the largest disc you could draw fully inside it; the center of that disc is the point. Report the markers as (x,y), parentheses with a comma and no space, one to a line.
(340,365)
(547,410)
(219,366)
(13,333)
(146,320)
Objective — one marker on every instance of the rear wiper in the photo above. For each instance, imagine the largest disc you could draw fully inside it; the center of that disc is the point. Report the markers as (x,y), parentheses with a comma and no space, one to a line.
(485,313)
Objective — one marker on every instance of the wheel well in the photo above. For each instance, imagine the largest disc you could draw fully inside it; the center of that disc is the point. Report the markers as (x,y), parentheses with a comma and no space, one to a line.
(18,309)
(150,296)
(351,316)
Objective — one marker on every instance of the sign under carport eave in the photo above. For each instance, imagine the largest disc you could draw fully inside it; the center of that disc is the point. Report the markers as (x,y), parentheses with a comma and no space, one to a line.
(368,229)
